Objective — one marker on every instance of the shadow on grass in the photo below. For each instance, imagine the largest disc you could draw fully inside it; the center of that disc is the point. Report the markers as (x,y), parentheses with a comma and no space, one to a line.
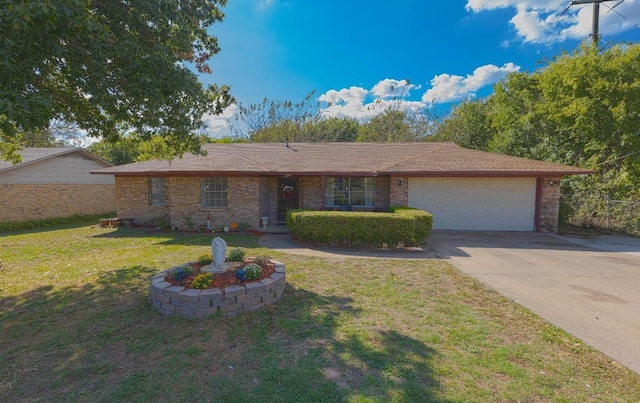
(51,337)
(166,237)
(102,341)
(326,358)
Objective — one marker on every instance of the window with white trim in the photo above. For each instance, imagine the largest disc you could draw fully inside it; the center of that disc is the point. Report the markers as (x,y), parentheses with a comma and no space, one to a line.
(350,191)
(156,192)
(214,192)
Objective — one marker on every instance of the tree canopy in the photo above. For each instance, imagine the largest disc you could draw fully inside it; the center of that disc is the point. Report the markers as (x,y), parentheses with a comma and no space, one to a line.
(109,66)
(583,109)
(279,121)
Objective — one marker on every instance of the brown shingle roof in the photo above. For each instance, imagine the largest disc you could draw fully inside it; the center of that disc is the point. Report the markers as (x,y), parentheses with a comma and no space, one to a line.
(431,159)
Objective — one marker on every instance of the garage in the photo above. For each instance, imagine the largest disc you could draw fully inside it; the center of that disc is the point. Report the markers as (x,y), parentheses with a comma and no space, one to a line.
(503,204)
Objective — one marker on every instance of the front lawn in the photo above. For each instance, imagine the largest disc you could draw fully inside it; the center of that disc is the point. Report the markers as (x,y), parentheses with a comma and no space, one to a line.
(75,325)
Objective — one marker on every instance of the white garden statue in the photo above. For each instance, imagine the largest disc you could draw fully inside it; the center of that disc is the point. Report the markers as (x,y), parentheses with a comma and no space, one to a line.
(219,251)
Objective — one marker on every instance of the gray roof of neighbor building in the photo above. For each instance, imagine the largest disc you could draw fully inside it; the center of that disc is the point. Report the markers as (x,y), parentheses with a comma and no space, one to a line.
(31,155)
(425,159)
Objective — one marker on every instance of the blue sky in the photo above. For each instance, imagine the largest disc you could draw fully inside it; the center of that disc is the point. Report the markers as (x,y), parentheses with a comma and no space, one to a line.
(356,53)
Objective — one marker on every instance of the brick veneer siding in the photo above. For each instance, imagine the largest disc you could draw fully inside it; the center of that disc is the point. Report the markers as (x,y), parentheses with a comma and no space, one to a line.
(549,207)
(399,194)
(243,194)
(268,199)
(36,202)
(250,198)
(132,199)
(184,202)
(382,193)
(310,192)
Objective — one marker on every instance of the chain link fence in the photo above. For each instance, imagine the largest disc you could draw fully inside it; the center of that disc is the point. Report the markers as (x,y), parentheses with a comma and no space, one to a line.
(601,212)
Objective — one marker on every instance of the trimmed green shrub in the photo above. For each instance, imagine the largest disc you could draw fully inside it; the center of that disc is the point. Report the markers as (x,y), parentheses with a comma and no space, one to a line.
(205,260)
(252,271)
(424,220)
(291,217)
(405,226)
(236,255)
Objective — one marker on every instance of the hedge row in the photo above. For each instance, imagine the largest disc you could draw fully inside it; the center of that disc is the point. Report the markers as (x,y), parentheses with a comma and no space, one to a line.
(403,225)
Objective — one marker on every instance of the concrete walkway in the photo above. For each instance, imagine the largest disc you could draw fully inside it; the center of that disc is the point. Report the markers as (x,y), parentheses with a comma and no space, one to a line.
(589,287)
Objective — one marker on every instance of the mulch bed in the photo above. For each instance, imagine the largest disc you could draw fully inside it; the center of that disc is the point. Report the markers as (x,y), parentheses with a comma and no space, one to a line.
(220,280)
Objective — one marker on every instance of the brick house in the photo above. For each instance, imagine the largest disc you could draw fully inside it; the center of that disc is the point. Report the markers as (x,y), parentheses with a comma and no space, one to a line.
(54,182)
(463,189)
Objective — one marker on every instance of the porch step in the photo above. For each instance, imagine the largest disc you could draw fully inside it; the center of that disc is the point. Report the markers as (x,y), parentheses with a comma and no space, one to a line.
(278,229)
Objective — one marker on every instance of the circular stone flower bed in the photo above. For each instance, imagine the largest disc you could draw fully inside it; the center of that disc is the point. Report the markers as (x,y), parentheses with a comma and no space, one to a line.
(226,295)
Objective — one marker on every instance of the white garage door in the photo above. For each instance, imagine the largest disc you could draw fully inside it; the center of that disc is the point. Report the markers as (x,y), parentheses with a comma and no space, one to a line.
(476,204)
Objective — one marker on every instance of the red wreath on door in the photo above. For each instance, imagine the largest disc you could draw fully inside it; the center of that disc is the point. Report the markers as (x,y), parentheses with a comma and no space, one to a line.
(287,192)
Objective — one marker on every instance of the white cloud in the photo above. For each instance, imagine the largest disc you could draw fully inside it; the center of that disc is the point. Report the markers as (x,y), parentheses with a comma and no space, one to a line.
(390,88)
(449,88)
(359,103)
(352,95)
(539,21)
(348,102)
(362,104)
(218,125)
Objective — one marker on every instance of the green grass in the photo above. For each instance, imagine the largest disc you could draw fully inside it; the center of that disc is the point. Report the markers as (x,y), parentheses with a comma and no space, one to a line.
(75,325)
(48,222)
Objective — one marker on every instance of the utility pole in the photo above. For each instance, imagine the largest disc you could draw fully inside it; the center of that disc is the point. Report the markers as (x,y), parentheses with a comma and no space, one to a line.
(595,34)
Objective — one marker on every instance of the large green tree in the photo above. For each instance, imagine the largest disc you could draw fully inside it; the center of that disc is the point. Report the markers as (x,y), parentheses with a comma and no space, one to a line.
(109,66)
(396,125)
(331,129)
(583,109)
(468,125)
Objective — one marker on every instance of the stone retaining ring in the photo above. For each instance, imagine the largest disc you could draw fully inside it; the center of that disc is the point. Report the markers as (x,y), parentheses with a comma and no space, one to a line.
(193,303)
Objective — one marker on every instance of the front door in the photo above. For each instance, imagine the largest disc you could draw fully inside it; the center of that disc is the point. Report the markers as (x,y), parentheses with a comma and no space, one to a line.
(287,197)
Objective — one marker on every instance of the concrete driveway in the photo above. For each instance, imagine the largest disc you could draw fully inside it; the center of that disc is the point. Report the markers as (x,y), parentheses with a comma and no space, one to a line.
(588,287)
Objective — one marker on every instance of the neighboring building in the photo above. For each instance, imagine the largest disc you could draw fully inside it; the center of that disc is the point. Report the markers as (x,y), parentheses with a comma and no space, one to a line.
(463,189)
(54,182)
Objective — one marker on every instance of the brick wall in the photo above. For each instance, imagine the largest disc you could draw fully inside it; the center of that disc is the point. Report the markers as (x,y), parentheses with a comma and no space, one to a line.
(132,200)
(311,192)
(20,202)
(549,204)
(250,198)
(184,202)
(382,193)
(399,194)
(268,198)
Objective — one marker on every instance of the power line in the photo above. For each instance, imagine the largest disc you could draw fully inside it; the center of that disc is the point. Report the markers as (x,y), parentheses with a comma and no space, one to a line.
(620,14)
(595,34)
